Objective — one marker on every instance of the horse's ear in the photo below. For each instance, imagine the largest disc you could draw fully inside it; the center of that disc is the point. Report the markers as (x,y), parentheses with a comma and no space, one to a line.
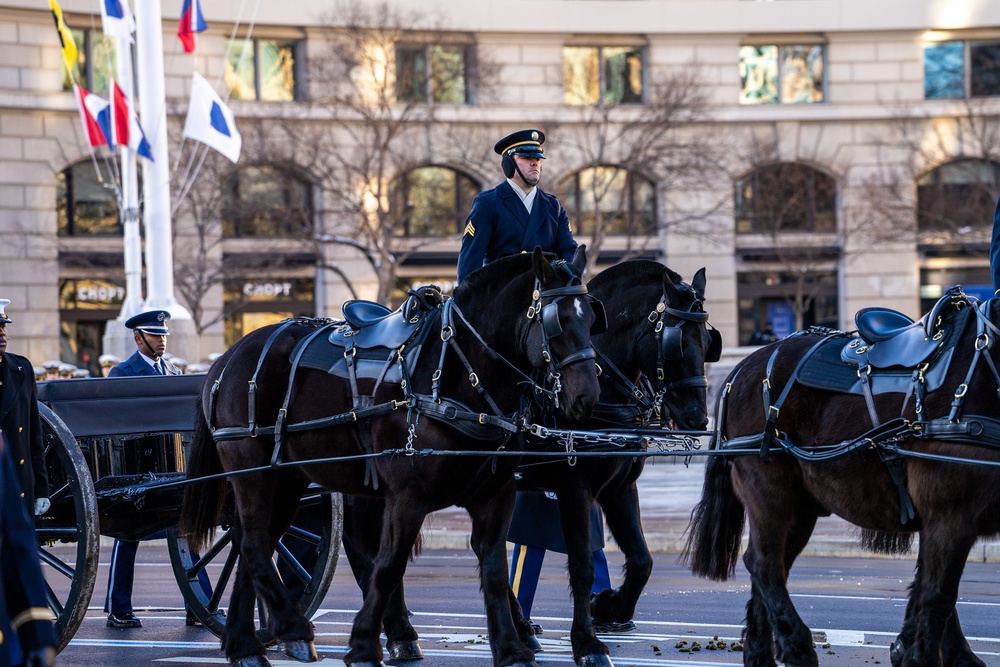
(669,288)
(541,267)
(580,258)
(698,283)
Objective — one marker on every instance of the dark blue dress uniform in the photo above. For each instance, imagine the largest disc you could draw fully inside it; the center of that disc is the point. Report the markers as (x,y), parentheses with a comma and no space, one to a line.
(24,611)
(499,224)
(20,423)
(121,578)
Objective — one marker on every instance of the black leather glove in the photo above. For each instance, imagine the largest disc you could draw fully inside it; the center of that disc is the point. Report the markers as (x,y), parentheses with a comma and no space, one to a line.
(40,657)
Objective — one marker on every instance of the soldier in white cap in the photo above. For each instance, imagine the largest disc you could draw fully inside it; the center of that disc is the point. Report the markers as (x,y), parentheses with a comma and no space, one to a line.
(108,361)
(51,369)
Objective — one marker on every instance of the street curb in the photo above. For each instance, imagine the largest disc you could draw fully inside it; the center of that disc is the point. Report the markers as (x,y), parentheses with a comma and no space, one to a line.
(674,542)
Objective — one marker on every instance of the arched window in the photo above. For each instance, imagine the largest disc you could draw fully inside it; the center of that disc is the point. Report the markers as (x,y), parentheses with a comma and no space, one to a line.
(86,205)
(785,197)
(957,197)
(431,201)
(266,201)
(613,198)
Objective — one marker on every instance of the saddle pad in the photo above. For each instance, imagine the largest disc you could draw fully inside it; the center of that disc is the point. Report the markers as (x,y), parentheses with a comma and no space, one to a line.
(825,369)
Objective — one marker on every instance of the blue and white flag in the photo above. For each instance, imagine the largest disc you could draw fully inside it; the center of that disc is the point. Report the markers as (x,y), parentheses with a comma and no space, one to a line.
(116,19)
(210,121)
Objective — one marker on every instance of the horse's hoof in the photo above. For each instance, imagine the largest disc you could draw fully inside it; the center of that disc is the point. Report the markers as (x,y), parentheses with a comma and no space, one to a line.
(532,643)
(251,661)
(300,650)
(404,649)
(896,652)
(595,660)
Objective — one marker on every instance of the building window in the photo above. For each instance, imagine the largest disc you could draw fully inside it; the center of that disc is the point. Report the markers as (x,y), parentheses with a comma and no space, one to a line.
(432,74)
(431,201)
(96,62)
(606,75)
(266,201)
(262,69)
(776,296)
(956,199)
(954,70)
(782,74)
(610,200)
(85,204)
(786,197)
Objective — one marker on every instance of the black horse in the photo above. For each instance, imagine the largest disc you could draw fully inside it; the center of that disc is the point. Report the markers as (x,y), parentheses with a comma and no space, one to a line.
(652,359)
(887,461)
(515,316)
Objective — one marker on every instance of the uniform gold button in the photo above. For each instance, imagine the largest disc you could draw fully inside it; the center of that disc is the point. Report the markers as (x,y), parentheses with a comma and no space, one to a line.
(21,461)
(20,428)
(22,495)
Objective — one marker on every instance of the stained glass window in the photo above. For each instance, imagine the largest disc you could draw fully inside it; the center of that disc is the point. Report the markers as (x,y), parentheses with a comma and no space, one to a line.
(953,70)
(261,69)
(785,74)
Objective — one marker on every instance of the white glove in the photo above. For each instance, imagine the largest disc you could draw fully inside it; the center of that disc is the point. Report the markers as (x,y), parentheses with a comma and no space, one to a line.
(42,506)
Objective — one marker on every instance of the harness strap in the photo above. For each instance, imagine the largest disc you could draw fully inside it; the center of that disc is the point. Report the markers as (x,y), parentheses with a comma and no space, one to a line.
(624,385)
(297,353)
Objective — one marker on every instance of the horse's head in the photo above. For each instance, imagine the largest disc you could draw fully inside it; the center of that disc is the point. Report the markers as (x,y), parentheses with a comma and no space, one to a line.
(684,342)
(557,340)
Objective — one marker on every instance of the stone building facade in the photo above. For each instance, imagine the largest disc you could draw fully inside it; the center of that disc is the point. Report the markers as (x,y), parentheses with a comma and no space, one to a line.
(826,155)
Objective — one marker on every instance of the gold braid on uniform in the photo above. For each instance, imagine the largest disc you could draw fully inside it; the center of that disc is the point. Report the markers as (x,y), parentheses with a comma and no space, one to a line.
(32,614)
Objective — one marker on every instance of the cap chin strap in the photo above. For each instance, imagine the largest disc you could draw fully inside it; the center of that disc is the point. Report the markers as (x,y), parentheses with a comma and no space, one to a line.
(518,170)
(152,353)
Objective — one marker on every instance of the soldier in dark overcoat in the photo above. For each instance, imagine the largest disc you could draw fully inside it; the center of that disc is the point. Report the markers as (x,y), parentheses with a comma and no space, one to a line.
(20,423)
(516,215)
(27,636)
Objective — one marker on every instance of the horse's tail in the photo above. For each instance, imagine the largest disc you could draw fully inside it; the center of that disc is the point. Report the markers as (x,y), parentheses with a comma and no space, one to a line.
(884,542)
(203,501)
(716,528)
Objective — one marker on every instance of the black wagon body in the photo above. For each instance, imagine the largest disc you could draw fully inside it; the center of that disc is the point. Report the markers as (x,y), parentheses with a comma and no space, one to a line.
(116,453)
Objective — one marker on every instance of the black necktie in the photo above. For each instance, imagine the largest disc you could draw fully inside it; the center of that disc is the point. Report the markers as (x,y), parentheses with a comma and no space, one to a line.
(158,368)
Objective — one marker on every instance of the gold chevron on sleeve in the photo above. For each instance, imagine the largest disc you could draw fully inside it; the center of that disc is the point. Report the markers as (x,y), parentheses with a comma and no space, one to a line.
(470,229)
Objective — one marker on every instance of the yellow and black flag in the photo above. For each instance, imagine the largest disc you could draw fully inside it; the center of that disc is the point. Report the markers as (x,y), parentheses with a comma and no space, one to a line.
(69,51)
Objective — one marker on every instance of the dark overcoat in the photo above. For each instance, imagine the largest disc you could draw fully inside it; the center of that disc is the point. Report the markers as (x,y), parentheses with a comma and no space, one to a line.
(499,225)
(23,606)
(22,425)
(136,365)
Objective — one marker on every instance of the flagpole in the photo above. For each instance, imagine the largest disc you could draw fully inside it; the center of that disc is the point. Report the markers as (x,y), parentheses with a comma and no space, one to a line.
(156,174)
(130,197)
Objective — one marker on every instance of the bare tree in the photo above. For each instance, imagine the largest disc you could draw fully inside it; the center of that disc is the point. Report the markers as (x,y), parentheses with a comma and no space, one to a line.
(936,207)
(660,141)
(786,217)
(380,78)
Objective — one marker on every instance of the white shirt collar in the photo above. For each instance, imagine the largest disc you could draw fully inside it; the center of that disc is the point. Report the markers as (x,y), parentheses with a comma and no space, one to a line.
(527,198)
(149,360)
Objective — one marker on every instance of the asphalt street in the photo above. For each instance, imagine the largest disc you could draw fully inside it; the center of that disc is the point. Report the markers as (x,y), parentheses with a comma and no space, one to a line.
(854,606)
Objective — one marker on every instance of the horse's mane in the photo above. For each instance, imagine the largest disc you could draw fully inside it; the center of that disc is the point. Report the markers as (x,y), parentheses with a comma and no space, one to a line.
(496,275)
(633,271)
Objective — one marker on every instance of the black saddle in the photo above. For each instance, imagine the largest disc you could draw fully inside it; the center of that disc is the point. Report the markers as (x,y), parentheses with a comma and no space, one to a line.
(890,339)
(372,335)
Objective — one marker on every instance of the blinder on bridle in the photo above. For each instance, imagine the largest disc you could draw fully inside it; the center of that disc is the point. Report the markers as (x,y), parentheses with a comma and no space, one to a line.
(670,340)
(552,328)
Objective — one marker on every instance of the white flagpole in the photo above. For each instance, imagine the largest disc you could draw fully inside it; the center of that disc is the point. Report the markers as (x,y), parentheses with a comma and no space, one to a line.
(156,175)
(130,196)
